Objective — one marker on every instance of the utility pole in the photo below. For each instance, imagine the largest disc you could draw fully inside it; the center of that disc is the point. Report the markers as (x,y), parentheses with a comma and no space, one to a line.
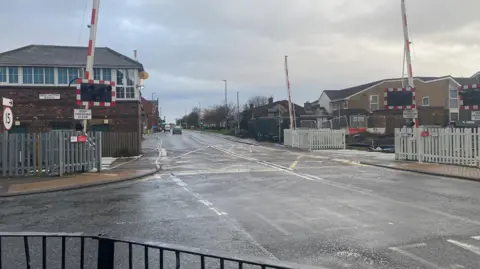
(226,103)
(91,48)
(292,126)
(238,114)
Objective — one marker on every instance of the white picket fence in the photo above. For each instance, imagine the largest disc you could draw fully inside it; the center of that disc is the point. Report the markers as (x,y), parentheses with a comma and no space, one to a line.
(439,145)
(314,139)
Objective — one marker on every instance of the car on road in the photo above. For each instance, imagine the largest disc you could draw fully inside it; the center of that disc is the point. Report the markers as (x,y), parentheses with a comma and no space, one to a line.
(167,128)
(177,130)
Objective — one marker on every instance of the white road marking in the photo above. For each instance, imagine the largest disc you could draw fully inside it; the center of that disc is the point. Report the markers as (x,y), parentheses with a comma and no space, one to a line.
(120,164)
(477,237)
(190,152)
(414,257)
(271,223)
(351,188)
(208,204)
(465,246)
(413,245)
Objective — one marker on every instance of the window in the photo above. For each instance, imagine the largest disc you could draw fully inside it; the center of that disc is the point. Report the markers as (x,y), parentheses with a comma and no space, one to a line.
(374,103)
(130,92)
(426,101)
(454,117)
(453,100)
(97,73)
(345,104)
(102,74)
(49,75)
(453,93)
(27,75)
(65,75)
(120,92)
(120,76)
(453,103)
(37,75)
(126,81)
(3,74)
(107,74)
(13,75)
(130,77)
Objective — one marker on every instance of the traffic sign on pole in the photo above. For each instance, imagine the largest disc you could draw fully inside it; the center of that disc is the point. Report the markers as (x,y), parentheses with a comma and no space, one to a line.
(7,102)
(7,118)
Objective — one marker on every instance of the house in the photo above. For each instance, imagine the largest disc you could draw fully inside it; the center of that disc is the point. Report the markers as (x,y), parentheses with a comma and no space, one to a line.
(150,115)
(431,92)
(275,109)
(30,72)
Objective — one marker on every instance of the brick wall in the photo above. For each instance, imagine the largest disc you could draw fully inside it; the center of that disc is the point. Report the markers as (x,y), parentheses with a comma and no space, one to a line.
(41,115)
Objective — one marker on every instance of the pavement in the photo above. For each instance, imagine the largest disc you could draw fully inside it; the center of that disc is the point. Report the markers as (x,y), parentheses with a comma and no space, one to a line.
(114,170)
(254,200)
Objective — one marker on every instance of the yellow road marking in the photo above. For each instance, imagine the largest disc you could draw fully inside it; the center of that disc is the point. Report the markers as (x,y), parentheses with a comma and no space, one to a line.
(292,166)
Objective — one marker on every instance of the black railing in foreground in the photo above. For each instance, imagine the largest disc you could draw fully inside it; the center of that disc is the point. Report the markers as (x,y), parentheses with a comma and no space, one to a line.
(77,250)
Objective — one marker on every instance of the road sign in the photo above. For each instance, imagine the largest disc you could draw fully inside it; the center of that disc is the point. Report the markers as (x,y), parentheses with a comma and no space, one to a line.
(7,118)
(475,115)
(410,114)
(82,114)
(48,96)
(7,102)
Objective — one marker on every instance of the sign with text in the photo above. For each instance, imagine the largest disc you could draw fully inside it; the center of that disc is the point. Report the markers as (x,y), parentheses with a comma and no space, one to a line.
(7,102)
(82,114)
(469,96)
(49,96)
(410,114)
(7,118)
(475,115)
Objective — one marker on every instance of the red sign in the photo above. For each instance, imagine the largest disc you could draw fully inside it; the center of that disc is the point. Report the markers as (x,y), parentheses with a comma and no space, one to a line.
(82,138)
(425,134)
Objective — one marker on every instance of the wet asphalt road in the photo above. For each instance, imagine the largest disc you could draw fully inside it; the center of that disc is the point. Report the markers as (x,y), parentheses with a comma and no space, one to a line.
(220,195)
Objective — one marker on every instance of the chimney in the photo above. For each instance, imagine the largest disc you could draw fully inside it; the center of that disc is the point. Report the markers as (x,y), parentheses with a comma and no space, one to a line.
(135,55)
(270,100)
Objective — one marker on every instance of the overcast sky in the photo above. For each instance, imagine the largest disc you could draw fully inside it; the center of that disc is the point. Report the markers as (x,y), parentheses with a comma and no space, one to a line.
(189,46)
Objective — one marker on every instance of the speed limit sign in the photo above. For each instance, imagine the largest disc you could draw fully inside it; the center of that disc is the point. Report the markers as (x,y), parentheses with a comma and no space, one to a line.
(7,118)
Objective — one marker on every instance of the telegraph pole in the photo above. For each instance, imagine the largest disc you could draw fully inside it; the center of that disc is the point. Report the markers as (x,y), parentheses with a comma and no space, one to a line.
(292,126)
(91,48)
(226,103)
(238,114)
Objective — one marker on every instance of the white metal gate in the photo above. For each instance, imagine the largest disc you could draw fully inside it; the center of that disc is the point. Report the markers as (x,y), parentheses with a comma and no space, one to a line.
(314,139)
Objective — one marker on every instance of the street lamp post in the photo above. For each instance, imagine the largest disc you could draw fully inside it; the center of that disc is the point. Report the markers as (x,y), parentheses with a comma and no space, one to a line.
(226,104)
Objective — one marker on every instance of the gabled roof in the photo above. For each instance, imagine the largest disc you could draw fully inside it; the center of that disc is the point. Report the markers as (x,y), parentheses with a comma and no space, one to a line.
(335,95)
(65,56)
(344,93)
(263,110)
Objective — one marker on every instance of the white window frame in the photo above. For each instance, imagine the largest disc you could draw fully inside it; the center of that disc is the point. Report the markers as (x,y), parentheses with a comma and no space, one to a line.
(122,87)
(423,101)
(345,104)
(377,103)
(450,98)
(57,81)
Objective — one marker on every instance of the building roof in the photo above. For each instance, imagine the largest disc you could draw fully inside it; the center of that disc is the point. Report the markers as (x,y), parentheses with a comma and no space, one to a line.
(263,110)
(65,56)
(344,93)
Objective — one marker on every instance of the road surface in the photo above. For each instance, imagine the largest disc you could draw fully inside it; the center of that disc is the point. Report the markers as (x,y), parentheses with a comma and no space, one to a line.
(257,201)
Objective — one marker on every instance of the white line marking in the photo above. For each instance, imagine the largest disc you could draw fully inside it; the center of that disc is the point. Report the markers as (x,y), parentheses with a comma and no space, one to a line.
(414,257)
(271,223)
(465,246)
(413,245)
(208,204)
(190,152)
(477,237)
(118,165)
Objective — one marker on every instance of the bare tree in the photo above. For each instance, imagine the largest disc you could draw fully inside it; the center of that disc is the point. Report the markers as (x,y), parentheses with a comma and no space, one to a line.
(258,100)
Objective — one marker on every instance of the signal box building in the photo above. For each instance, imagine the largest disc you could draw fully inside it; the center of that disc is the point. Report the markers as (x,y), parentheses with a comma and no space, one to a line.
(37,78)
